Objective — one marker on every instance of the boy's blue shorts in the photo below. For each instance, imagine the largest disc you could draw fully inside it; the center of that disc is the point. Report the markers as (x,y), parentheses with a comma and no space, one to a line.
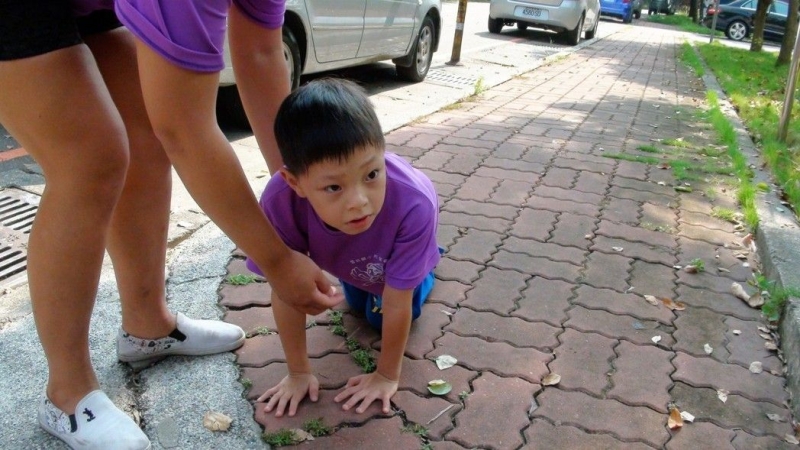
(370,304)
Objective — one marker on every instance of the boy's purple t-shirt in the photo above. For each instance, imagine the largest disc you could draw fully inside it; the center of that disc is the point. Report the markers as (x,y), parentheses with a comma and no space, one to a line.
(399,248)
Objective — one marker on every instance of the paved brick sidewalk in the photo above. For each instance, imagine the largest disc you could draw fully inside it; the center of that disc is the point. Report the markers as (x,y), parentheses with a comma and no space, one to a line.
(551,247)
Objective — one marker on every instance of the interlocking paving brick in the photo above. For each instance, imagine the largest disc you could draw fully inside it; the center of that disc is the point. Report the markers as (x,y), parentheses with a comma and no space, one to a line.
(714,257)
(462,271)
(558,177)
(496,290)
(541,435)
(749,345)
(253,294)
(492,327)
(618,326)
(434,161)
(331,413)
(426,329)
(424,411)
(481,208)
(721,303)
(534,224)
(708,281)
(418,372)
(379,433)
(596,183)
(736,412)
(586,163)
(619,303)
(641,376)
(571,230)
(568,194)
(642,186)
(558,205)
(408,153)
(706,372)
(439,177)
(446,235)
(545,300)
(696,327)
(744,441)
(609,271)
(463,220)
(236,266)
(635,250)
(505,169)
(499,357)
(422,140)
(555,252)
(470,144)
(450,293)
(632,423)
(584,361)
(659,215)
(332,371)
(653,279)
(706,221)
(620,210)
(511,149)
(475,245)
(512,192)
(252,319)
(702,233)
(640,195)
(536,266)
(463,164)
(477,188)
(624,231)
(357,328)
(701,435)
(494,397)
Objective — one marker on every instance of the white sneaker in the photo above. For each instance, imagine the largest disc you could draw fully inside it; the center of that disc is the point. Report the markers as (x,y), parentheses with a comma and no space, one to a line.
(96,424)
(190,337)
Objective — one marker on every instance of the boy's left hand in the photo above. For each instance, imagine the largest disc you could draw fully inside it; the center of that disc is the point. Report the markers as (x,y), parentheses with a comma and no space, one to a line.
(366,389)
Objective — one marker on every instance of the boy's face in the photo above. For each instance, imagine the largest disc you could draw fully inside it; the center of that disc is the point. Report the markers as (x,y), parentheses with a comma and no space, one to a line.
(346,195)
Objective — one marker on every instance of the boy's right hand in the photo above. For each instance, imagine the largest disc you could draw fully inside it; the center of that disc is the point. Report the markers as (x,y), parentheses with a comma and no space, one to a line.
(291,390)
(301,284)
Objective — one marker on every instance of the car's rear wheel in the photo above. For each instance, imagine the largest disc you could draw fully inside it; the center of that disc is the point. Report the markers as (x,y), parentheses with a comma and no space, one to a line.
(495,25)
(638,14)
(628,18)
(229,105)
(522,26)
(590,34)
(574,35)
(423,53)
(737,30)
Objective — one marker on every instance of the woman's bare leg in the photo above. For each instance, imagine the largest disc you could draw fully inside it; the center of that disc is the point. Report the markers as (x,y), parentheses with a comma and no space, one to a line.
(58,108)
(138,235)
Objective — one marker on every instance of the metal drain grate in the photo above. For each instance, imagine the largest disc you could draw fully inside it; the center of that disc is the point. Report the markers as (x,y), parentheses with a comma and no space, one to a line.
(450,79)
(17,211)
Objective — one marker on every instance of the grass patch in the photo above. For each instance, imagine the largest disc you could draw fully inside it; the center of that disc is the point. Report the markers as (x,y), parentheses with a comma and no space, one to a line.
(699,264)
(280,437)
(480,86)
(417,429)
(756,88)
(246,383)
(648,149)
(317,428)
(660,228)
(679,143)
(240,279)
(682,21)
(725,214)
(688,56)
(365,359)
(633,158)
(775,297)
(260,331)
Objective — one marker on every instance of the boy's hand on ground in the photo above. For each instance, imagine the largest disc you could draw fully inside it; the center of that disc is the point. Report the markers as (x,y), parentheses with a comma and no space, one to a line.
(291,390)
(300,283)
(366,389)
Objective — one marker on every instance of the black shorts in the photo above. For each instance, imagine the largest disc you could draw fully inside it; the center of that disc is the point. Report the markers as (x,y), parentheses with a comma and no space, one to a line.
(35,27)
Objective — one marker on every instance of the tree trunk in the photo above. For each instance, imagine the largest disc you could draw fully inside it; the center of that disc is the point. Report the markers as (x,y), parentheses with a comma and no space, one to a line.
(693,11)
(787,45)
(757,37)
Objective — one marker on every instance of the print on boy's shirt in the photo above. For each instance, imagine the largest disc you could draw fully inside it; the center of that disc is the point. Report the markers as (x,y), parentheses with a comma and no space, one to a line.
(368,269)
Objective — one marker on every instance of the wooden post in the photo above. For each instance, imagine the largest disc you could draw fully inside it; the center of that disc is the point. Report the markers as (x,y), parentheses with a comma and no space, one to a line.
(788,99)
(462,13)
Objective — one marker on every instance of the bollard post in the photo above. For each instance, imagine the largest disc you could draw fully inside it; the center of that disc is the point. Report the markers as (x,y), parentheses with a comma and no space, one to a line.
(714,22)
(462,13)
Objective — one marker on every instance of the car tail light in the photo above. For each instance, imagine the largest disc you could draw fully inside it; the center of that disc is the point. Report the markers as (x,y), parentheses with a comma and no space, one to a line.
(711,11)
(626,1)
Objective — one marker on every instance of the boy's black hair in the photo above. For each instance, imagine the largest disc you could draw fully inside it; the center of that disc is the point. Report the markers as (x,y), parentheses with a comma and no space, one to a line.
(327,119)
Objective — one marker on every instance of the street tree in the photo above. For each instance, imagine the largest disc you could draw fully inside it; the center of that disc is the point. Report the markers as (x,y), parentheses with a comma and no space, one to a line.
(757,37)
(789,36)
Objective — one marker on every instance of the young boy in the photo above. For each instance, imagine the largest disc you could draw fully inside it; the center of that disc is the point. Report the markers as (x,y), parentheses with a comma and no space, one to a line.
(362,214)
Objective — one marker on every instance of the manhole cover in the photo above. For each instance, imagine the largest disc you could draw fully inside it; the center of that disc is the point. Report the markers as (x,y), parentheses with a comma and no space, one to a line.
(17,210)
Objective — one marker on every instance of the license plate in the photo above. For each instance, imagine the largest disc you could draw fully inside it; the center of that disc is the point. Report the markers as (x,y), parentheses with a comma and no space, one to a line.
(535,13)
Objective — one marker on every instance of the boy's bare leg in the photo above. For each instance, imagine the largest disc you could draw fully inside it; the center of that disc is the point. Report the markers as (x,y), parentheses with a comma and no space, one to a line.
(138,235)
(58,108)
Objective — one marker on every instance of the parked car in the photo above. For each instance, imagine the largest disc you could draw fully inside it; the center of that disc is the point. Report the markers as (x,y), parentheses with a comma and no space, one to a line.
(321,35)
(667,7)
(637,9)
(621,9)
(736,19)
(570,18)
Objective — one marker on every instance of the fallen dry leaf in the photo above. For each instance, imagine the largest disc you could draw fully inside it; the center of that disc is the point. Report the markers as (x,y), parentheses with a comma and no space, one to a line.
(675,420)
(651,299)
(755,300)
(675,306)
(763,329)
(687,417)
(770,346)
(617,249)
(551,379)
(690,269)
(737,332)
(656,339)
(790,438)
(722,395)
(775,417)
(216,421)
(708,349)
(445,362)
(739,292)
(722,269)
(301,435)
(755,367)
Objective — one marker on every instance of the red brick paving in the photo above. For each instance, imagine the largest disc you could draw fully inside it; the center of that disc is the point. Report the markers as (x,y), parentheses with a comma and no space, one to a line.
(551,249)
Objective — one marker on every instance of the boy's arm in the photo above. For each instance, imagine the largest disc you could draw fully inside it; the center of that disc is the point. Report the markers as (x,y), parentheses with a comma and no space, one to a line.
(293,388)
(382,384)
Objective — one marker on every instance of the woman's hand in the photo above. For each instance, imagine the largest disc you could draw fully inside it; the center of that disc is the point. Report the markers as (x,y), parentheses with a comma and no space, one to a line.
(291,390)
(366,389)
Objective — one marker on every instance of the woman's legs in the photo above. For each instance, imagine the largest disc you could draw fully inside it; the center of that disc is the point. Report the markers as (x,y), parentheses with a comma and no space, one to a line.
(138,236)
(58,108)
